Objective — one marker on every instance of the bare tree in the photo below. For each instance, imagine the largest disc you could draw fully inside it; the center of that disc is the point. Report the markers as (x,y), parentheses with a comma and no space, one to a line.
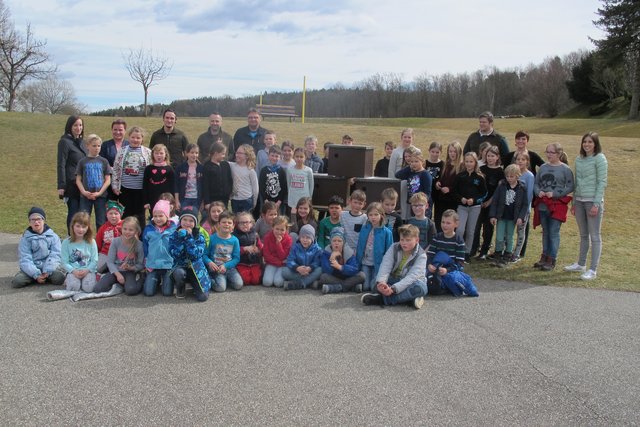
(51,95)
(147,69)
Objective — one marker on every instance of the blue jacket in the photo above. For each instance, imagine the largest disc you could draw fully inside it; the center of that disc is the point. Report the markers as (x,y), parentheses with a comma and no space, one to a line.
(181,180)
(349,268)
(156,246)
(188,250)
(39,253)
(382,241)
(299,256)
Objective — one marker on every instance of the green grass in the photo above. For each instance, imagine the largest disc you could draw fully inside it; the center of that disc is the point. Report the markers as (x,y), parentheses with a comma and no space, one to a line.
(29,175)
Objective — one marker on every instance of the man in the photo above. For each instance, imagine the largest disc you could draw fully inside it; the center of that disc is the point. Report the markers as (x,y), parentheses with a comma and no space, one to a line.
(252,134)
(312,159)
(213,134)
(175,140)
(486,133)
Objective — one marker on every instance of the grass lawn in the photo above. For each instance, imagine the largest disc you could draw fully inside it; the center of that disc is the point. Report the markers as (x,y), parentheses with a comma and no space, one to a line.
(29,175)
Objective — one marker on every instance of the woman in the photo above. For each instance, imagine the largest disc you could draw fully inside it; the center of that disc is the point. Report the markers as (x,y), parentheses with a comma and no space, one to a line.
(591,180)
(522,142)
(70,150)
(110,148)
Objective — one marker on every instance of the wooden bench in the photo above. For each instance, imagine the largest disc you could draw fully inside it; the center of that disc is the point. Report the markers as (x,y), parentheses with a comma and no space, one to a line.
(278,111)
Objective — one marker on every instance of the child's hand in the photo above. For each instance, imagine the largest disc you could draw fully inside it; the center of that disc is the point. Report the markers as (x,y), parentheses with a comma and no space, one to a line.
(222,269)
(293,211)
(493,221)
(42,278)
(385,289)
(442,271)
(593,211)
(147,206)
(80,273)
(279,238)
(444,190)
(431,268)
(149,270)
(470,202)
(335,264)
(212,266)
(519,222)
(183,232)
(119,277)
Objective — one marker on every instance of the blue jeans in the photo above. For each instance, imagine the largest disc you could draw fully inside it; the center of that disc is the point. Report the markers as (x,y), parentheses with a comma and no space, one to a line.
(293,276)
(242,205)
(273,276)
(550,234)
(73,207)
(369,278)
(153,278)
(181,275)
(100,207)
(231,278)
(194,203)
(413,291)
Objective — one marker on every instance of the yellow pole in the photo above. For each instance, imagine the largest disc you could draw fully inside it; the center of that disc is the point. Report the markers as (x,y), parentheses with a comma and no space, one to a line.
(260,99)
(304,96)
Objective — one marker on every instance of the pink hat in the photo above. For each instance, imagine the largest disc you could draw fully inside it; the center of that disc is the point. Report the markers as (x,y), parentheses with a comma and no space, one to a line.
(164,207)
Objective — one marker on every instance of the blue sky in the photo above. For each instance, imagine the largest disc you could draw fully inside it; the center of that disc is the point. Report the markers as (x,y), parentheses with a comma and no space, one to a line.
(241,47)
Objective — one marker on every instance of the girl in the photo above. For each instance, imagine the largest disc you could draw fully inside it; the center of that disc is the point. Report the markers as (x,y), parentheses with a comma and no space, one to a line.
(493,174)
(373,242)
(189,180)
(299,179)
(250,265)
(434,166)
(277,244)
(482,150)
(187,247)
(303,263)
(418,179)
(71,150)
(553,184)
(155,243)
(210,224)
(591,180)
(217,183)
(111,229)
(128,174)
(268,213)
(396,162)
(452,167)
(80,255)
(522,231)
(287,155)
(125,261)
(301,215)
(469,190)
(158,177)
(245,181)
(173,216)
(340,271)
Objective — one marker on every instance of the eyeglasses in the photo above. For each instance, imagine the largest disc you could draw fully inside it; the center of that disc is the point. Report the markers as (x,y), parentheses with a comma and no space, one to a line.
(36,219)
(240,152)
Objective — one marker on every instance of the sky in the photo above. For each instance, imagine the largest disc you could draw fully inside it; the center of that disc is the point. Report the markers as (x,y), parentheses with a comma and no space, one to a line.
(247,47)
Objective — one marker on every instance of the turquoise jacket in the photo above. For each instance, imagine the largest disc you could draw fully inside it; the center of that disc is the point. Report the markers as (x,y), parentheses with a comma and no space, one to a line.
(591,178)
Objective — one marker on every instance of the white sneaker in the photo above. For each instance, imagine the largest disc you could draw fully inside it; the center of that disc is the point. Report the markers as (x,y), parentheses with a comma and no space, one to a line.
(588,275)
(418,303)
(575,267)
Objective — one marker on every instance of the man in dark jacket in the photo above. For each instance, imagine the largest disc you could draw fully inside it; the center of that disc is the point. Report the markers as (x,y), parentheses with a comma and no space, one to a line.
(486,133)
(175,140)
(213,134)
(252,134)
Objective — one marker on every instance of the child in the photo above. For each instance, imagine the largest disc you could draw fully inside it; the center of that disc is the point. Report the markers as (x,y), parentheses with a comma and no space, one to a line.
(401,274)
(418,179)
(353,219)
(80,255)
(173,216)
(419,206)
(210,224)
(277,244)
(522,231)
(155,243)
(449,242)
(397,155)
(328,223)
(159,177)
(340,272)
(509,209)
(223,255)
(444,185)
(262,156)
(373,242)
(245,181)
(273,181)
(217,181)
(189,176)
(250,265)
(382,166)
(470,191)
(268,213)
(125,261)
(93,177)
(187,247)
(392,219)
(111,229)
(287,161)
(301,215)
(493,174)
(482,153)
(299,179)
(347,140)
(311,158)
(325,159)
(38,253)
(303,263)
(434,166)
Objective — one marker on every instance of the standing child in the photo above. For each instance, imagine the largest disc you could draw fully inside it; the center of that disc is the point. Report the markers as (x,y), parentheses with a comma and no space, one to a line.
(353,219)
(396,161)
(125,261)
(382,166)
(373,242)
(522,231)
(223,255)
(273,181)
(452,167)
(38,253)
(311,158)
(80,255)
(155,244)
(303,263)
(325,159)
(392,218)
(109,231)
(245,181)
(159,177)
(401,276)
(287,155)
(340,272)
(419,206)
(302,215)
(217,181)
(328,223)
(262,156)
(417,177)
(210,224)
(434,166)
(277,244)
(187,247)
(93,177)
(250,265)
(299,179)
(493,174)
(470,191)
(482,153)
(268,213)
(189,176)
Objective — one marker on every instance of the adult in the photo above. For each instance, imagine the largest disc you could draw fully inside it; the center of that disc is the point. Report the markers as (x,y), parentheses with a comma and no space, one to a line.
(588,200)
(175,140)
(70,150)
(252,134)
(396,162)
(110,148)
(486,132)
(212,135)
(522,143)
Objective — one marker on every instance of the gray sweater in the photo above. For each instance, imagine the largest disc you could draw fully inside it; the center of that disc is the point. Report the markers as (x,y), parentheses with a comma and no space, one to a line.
(119,253)
(415,268)
(557,179)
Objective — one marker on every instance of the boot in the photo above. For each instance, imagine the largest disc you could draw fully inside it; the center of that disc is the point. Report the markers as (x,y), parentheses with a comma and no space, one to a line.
(332,289)
(549,265)
(543,261)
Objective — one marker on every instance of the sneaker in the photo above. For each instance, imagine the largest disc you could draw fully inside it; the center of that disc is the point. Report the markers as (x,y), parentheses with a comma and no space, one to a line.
(418,303)
(372,299)
(331,289)
(481,257)
(180,292)
(358,288)
(575,267)
(467,258)
(515,259)
(493,256)
(588,275)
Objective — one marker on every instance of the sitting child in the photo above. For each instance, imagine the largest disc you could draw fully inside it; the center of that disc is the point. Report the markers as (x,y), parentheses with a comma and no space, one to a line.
(250,265)
(374,241)
(38,253)
(268,212)
(80,255)
(303,263)
(331,221)
(223,255)
(107,232)
(155,243)
(340,271)
(277,244)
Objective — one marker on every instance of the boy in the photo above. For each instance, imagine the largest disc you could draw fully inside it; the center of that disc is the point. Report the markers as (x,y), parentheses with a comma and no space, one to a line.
(272,180)
(353,219)
(330,222)
(262,156)
(449,242)
(419,205)
(312,159)
(382,166)
(401,275)
(93,177)
(111,229)
(347,140)
(417,177)
(325,159)
(38,253)
(223,255)
(392,219)
(303,263)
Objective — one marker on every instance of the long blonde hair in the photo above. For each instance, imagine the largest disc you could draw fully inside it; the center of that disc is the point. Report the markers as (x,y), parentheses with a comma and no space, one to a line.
(457,164)
(250,156)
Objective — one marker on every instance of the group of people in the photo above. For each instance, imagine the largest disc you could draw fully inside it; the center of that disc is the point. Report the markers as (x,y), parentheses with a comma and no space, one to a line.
(193,237)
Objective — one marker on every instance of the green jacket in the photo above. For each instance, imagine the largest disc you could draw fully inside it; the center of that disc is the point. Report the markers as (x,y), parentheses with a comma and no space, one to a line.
(591,178)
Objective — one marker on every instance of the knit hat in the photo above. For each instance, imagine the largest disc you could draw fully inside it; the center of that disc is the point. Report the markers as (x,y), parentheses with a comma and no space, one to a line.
(113,204)
(37,211)
(308,230)
(337,232)
(164,207)
(190,212)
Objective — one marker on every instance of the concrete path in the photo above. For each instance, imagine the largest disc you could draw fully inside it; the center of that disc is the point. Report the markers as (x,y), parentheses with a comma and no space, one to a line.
(517,355)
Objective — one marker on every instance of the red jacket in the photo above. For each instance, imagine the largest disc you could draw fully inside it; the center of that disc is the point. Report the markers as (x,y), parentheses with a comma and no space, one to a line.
(105,235)
(275,253)
(557,207)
